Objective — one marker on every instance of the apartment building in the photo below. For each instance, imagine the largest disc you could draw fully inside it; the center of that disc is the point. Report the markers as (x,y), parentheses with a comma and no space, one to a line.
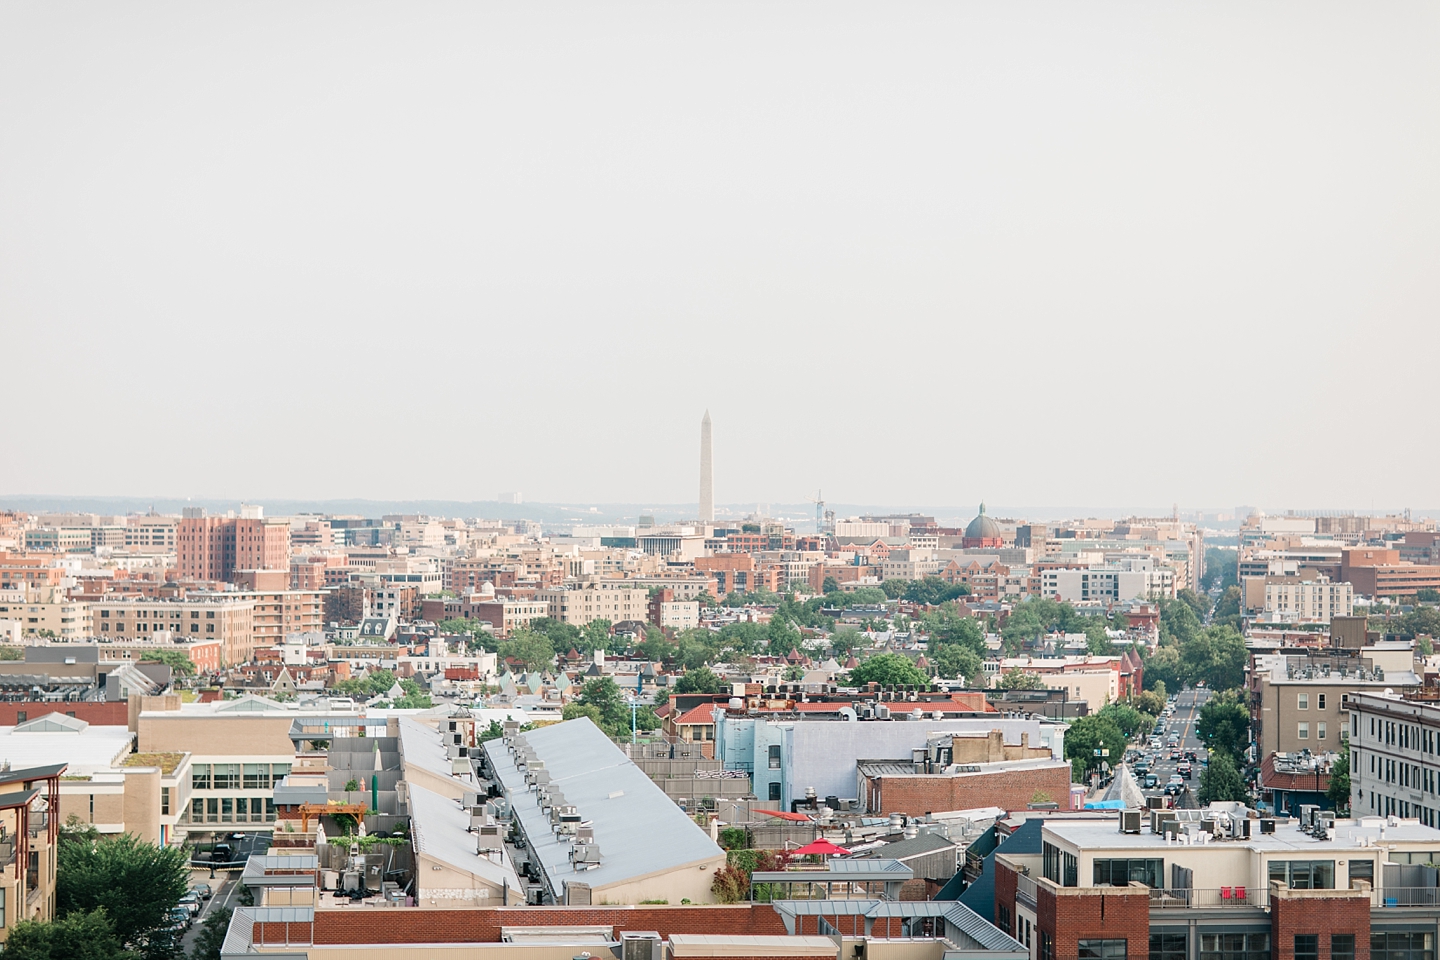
(1127,579)
(739,573)
(46,612)
(1220,883)
(613,600)
(1381,573)
(216,548)
(29,831)
(1314,601)
(228,618)
(150,535)
(1301,701)
(1395,755)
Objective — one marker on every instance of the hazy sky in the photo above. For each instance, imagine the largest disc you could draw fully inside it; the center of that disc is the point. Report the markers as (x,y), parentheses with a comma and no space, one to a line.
(907,253)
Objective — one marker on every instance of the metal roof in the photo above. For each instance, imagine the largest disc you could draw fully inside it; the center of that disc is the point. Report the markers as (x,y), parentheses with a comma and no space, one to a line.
(842,871)
(441,829)
(979,932)
(639,830)
(420,746)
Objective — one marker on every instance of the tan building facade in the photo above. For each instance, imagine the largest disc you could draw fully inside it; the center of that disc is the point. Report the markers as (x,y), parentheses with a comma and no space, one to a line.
(229,619)
(613,600)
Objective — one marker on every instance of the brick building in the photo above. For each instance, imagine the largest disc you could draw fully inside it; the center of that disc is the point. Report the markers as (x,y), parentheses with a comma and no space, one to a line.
(1222,884)
(215,548)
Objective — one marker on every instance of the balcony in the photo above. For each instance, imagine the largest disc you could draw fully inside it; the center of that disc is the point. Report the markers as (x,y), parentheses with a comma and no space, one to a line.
(1208,898)
(1408,897)
(1025,889)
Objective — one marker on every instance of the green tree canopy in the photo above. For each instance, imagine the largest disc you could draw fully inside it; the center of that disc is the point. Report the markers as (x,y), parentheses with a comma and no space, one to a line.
(1339,790)
(82,935)
(562,635)
(136,883)
(895,589)
(934,591)
(1222,781)
(945,626)
(178,662)
(1130,720)
(1162,669)
(1178,622)
(1224,724)
(1088,734)
(1216,655)
(1227,609)
(1017,679)
(1221,568)
(604,694)
(953,661)
(212,935)
(533,650)
(1197,603)
(887,669)
(700,680)
(1149,701)
(596,636)
(655,647)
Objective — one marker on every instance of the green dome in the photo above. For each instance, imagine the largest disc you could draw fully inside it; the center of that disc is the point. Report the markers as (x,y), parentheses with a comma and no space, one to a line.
(982,527)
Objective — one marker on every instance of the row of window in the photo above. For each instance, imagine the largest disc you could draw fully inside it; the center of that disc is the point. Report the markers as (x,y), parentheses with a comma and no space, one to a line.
(1385,806)
(232,810)
(1384,945)
(236,776)
(1061,867)
(1407,736)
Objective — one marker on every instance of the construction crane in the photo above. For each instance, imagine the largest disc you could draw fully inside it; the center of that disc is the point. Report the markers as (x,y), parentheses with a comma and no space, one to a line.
(821,514)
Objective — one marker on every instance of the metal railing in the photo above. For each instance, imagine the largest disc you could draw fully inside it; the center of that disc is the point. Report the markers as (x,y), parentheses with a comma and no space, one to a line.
(1408,897)
(1025,889)
(1207,897)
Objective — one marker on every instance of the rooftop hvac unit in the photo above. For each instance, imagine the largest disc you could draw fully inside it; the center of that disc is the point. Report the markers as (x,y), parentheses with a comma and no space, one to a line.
(882,712)
(470,799)
(584,855)
(638,945)
(1160,817)
(1155,803)
(1267,825)
(1129,821)
(585,833)
(488,838)
(577,894)
(452,751)
(1307,814)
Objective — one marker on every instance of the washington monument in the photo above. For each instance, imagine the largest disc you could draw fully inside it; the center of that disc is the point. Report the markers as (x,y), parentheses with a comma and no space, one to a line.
(707,473)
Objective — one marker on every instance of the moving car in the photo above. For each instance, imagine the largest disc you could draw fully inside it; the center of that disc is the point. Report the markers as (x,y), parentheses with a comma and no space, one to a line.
(1150,781)
(221,853)
(1184,770)
(1190,755)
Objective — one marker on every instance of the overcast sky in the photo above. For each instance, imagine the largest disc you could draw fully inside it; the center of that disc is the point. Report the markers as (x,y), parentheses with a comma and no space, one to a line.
(908,253)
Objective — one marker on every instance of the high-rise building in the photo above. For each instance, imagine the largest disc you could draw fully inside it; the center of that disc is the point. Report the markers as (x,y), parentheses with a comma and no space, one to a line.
(215,548)
(707,473)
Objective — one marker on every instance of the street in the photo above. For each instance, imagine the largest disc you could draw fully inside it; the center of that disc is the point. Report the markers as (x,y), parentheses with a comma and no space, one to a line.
(1182,724)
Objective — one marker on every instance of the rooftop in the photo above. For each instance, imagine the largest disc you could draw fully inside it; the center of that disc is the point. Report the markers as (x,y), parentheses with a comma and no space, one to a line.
(441,829)
(1348,835)
(639,830)
(167,762)
(88,751)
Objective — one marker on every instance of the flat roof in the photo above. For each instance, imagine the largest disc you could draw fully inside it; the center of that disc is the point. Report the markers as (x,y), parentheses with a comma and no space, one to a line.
(1287,838)
(88,751)
(640,831)
(420,746)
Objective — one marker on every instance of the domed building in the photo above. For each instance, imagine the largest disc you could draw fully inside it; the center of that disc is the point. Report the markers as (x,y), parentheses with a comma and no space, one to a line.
(982,532)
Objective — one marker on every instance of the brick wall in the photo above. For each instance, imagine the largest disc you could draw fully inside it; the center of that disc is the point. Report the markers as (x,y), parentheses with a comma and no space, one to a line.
(483,925)
(1293,912)
(1011,790)
(1071,914)
(1005,893)
(112,714)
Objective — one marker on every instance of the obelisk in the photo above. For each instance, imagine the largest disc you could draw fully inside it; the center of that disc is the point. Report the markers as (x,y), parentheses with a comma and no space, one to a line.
(707,473)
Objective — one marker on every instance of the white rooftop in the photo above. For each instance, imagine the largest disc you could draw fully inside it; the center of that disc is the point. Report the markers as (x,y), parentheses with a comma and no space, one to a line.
(90,750)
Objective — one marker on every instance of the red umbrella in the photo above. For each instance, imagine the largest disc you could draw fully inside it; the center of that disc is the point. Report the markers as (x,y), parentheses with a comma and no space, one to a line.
(819,846)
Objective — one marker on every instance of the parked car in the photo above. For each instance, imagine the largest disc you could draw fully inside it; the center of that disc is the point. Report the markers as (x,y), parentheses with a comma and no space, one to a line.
(179,918)
(191,902)
(221,853)
(203,891)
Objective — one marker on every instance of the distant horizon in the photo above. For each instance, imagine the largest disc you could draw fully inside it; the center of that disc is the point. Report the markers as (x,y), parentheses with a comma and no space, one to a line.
(601,512)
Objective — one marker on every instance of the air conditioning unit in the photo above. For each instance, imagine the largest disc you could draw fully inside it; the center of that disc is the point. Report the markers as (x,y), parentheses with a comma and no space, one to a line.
(585,855)
(1267,825)
(641,945)
(1129,821)
(488,838)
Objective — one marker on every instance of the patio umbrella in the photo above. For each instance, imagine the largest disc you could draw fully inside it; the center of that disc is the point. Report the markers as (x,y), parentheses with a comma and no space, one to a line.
(821,846)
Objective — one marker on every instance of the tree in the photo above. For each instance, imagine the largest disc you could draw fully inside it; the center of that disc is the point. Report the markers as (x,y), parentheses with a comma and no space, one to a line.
(1224,724)
(945,626)
(603,693)
(533,650)
(562,635)
(1427,595)
(1221,568)
(82,935)
(845,639)
(1216,655)
(1339,789)
(1178,622)
(1162,669)
(1017,679)
(783,636)
(179,662)
(1221,781)
(479,631)
(895,589)
(933,591)
(136,883)
(1200,605)
(1149,701)
(212,935)
(1227,609)
(1089,734)
(699,680)
(595,636)
(655,647)
(953,661)
(1130,720)
(887,669)
(830,585)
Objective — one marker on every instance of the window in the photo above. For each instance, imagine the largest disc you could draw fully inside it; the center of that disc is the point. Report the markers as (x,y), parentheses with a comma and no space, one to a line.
(242,809)
(1304,733)
(3,891)
(1402,946)
(1235,946)
(165,801)
(774,791)
(1047,946)
(227,810)
(1303,701)
(1102,949)
(1362,870)
(257,776)
(1319,701)
(774,756)
(21,716)
(226,776)
(1307,946)
(1059,866)
(1342,946)
(1167,946)
(1118,873)
(197,810)
(1002,915)
(1320,731)
(1304,874)
(212,810)
(269,810)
